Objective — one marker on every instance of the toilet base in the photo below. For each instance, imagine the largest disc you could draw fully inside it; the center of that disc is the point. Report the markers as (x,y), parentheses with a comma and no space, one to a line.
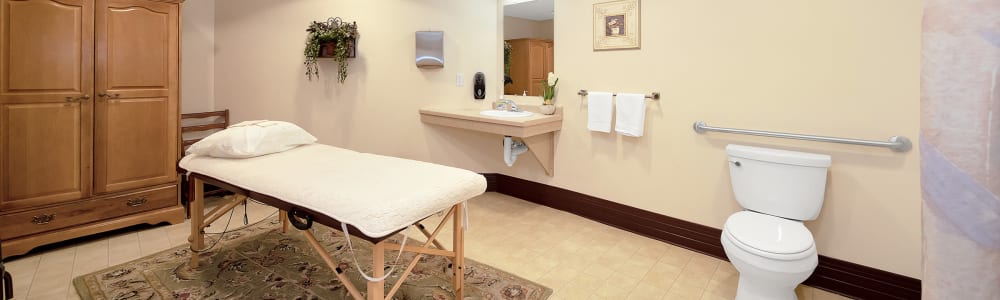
(766,278)
(750,290)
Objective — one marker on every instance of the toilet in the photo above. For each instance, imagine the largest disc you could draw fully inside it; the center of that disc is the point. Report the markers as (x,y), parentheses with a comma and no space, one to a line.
(767,241)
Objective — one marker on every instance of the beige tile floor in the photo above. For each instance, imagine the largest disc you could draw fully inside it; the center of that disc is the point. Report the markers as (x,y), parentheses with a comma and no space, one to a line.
(576,257)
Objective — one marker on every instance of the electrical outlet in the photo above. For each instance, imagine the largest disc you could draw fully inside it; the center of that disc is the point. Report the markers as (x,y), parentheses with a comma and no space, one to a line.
(459,80)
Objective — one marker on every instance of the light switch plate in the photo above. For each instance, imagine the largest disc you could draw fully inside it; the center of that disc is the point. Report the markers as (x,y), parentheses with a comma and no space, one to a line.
(459,80)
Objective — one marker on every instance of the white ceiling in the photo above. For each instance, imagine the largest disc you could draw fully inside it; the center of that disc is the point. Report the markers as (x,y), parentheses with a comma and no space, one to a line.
(538,10)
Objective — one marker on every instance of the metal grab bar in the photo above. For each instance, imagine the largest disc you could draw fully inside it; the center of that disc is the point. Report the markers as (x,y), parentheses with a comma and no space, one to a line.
(896,143)
(654,95)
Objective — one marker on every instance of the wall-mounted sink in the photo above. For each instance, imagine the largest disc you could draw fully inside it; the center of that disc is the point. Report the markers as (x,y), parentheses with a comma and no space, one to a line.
(535,129)
(505,114)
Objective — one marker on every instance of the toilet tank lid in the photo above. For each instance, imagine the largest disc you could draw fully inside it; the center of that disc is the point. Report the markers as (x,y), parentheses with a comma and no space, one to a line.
(779,156)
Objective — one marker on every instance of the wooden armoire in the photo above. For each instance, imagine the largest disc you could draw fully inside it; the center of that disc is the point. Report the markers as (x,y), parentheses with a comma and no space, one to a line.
(89,109)
(531,60)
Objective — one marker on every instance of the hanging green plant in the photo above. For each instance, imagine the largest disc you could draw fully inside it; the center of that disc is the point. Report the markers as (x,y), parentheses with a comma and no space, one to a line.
(507,48)
(333,38)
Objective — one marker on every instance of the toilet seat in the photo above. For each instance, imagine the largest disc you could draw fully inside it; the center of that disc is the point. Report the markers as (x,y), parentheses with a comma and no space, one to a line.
(769,236)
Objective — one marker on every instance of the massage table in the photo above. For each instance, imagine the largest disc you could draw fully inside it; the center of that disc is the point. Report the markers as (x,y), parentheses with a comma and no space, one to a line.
(372,197)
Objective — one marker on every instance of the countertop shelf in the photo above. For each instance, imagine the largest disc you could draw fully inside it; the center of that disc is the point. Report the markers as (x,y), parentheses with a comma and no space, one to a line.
(469,118)
(537,130)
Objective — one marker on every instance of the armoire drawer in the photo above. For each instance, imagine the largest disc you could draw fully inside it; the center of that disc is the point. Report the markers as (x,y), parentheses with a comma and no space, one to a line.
(82,212)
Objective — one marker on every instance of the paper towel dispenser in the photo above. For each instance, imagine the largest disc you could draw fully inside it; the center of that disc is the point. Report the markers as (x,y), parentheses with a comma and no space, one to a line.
(430,49)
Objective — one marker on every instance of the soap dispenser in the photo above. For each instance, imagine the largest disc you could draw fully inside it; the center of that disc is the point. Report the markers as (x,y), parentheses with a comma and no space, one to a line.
(479,86)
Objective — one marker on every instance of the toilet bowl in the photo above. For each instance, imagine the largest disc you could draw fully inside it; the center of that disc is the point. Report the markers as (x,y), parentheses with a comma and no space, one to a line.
(767,241)
(773,255)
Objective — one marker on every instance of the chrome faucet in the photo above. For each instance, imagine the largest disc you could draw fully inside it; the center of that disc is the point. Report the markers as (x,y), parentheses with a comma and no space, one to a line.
(506,105)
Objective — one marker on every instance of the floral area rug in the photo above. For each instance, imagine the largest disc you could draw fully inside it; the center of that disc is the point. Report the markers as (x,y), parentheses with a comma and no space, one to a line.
(260,262)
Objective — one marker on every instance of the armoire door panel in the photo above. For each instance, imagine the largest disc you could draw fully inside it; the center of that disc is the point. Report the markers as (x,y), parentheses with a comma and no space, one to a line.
(36,62)
(135,141)
(536,87)
(46,120)
(41,157)
(537,63)
(519,65)
(138,42)
(135,145)
(134,52)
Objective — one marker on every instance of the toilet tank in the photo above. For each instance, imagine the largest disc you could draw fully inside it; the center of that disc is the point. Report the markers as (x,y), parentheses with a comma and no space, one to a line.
(782,183)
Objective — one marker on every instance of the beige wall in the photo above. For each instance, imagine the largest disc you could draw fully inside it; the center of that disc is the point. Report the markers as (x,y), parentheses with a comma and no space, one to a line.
(517,28)
(259,72)
(197,56)
(829,67)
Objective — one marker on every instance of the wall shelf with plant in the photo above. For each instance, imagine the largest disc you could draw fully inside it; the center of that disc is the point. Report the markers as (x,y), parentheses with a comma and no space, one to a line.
(334,39)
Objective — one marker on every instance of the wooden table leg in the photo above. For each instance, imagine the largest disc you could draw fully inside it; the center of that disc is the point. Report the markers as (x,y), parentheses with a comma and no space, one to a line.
(283,215)
(428,235)
(197,205)
(458,244)
(355,294)
(376,290)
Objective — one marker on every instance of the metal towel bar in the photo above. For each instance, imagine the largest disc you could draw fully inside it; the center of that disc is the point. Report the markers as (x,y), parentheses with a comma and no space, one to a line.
(896,143)
(654,95)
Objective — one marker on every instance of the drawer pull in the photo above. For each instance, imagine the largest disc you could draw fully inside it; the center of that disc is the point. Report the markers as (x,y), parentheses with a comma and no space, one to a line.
(43,219)
(136,201)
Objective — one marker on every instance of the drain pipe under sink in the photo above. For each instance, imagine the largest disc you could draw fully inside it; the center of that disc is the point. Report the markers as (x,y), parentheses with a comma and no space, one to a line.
(511,149)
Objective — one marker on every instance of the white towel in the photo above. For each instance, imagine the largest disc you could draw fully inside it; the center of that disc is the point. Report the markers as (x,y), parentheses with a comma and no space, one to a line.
(599,108)
(630,114)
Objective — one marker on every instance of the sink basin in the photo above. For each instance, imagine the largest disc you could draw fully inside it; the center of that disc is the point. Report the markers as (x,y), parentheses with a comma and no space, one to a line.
(505,114)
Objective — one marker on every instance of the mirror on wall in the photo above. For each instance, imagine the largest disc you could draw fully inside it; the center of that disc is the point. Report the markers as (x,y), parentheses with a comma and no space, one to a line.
(528,47)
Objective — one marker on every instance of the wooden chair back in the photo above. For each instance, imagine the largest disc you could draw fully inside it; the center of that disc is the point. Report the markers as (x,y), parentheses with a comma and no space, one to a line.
(196,126)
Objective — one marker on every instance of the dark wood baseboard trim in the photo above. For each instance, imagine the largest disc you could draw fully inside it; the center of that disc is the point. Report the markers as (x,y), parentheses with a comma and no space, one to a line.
(862,282)
(491,182)
(834,275)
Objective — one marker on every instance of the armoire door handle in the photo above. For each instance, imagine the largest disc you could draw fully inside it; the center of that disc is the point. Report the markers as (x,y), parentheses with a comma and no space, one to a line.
(85,97)
(108,95)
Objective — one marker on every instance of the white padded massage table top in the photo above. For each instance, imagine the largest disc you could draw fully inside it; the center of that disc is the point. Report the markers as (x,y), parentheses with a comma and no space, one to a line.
(378,195)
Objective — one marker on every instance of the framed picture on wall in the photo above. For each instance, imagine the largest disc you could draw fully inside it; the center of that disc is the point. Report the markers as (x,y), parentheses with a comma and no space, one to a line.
(616,25)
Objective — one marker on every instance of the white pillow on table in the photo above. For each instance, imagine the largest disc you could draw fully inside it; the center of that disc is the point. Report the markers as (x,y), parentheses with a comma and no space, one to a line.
(252,139)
